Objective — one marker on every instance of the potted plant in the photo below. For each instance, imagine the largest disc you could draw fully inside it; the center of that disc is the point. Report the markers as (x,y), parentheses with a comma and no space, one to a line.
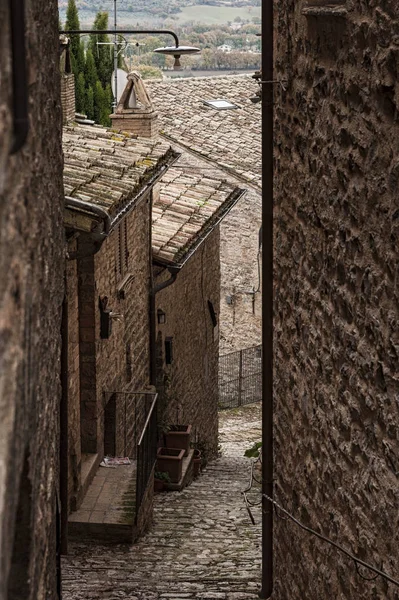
(178,436)
(170,461)
(160,478)
(197,462)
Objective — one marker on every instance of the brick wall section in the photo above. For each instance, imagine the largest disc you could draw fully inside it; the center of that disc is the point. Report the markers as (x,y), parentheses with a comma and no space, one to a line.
(336,294)
(68,97)
(188,387)
(31,292)
(121,362)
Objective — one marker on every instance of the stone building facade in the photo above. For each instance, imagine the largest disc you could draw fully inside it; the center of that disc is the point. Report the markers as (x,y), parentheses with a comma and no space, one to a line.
(336,295)
(31,293)
(187,215)
(225,144)
(109,281)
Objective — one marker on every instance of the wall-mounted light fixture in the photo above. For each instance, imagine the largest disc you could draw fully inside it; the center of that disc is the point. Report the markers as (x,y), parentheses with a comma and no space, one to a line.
(161,317)
(176,51)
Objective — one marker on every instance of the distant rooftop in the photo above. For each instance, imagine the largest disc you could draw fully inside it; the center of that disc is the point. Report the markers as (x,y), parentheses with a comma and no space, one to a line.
(186,211)
(230,138)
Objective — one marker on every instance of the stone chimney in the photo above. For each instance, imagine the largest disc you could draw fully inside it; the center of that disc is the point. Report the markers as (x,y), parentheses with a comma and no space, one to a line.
(135,112)
(67,82)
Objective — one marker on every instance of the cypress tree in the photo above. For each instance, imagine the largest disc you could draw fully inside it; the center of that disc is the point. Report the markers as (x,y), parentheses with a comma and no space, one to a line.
(102,54)
(99,100)
(72,23)
(89,105)
(90,71)
(80,93)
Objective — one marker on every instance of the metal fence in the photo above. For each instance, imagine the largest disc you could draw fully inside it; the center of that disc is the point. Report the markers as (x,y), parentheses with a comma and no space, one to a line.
(240,377)
(146,451)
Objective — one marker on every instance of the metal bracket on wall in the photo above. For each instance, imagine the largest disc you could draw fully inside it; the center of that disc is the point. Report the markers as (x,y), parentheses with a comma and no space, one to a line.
(281,82)
(19,75)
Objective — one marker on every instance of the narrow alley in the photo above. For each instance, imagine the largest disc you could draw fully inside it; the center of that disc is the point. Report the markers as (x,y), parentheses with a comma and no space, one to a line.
(202,543)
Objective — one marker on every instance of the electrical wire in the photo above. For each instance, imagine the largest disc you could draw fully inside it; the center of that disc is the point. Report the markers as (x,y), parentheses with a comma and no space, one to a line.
(357,561)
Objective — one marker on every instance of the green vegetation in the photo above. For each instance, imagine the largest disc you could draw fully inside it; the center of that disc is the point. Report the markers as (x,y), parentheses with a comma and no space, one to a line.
(92,68)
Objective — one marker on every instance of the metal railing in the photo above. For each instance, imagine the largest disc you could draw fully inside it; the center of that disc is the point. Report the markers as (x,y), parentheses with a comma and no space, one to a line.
(146,451)
(240,377)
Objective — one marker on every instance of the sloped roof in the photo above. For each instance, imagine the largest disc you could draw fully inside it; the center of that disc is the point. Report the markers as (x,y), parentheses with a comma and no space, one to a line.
(187,208)
(106,168)
(230,138)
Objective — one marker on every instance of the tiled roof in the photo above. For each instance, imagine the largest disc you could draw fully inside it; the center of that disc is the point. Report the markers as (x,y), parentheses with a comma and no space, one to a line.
(186,210)
(107,168)
(230,138)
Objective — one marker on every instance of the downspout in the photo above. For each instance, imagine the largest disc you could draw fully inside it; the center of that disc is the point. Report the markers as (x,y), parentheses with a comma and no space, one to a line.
(267,296)
(19,75)
(64,427)
(153,326)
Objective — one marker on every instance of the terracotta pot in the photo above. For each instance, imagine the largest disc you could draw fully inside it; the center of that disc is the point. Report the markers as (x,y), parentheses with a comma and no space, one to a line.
(170,460)
(179,437)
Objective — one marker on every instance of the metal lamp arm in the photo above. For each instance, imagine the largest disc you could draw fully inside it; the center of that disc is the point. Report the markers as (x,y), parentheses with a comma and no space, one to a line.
(122,32)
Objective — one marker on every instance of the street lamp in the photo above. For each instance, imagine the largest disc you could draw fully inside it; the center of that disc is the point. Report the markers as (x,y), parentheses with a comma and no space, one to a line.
(177,51)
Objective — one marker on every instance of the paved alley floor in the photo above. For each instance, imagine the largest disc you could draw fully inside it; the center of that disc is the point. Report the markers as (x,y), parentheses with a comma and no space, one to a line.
(202,544)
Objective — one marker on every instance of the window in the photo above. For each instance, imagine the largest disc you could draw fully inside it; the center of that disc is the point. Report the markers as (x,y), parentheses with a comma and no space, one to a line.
(168,350)
(220,104)
(123,253)
(212,313)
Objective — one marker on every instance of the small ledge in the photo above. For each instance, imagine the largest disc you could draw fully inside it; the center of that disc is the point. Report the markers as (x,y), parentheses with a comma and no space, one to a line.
(325,11)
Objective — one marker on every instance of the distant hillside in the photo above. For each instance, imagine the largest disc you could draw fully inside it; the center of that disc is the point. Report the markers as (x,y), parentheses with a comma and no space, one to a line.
(154,6)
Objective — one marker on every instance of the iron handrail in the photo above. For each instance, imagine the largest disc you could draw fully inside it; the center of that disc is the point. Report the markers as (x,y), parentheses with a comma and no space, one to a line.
(152,407)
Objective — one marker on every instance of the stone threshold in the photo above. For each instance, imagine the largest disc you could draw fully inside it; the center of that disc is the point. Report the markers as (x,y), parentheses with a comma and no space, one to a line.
(108,510)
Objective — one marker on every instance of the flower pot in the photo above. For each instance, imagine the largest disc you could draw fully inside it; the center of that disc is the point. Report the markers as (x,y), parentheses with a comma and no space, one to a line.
(197,462)
(179,436)
(159,485)
(170,460)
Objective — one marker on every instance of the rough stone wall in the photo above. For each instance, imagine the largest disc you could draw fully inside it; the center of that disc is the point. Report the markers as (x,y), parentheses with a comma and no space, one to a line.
(31,292)
(241,299)
(188,386)
(336,297)
(74,442)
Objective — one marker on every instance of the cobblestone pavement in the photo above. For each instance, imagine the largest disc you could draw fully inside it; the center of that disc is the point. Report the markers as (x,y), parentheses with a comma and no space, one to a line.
(201,546)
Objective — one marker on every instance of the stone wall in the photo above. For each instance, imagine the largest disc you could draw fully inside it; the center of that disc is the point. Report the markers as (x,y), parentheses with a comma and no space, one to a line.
(74,450)
(188,385)
(31,292)
(336,296)
(99,366)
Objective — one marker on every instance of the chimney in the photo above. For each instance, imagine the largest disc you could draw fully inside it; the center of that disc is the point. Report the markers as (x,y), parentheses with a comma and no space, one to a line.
(135,112)
(67,82)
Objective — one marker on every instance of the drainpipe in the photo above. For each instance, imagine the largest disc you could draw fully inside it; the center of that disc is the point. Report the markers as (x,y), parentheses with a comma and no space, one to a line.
(64,427)
(153,326)
(19,75)
(267,297)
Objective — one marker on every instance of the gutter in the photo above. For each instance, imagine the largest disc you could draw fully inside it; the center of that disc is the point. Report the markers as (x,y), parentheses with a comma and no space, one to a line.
(232,200)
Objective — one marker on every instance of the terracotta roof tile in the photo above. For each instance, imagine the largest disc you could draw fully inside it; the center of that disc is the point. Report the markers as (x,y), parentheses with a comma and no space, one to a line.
(231,138)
